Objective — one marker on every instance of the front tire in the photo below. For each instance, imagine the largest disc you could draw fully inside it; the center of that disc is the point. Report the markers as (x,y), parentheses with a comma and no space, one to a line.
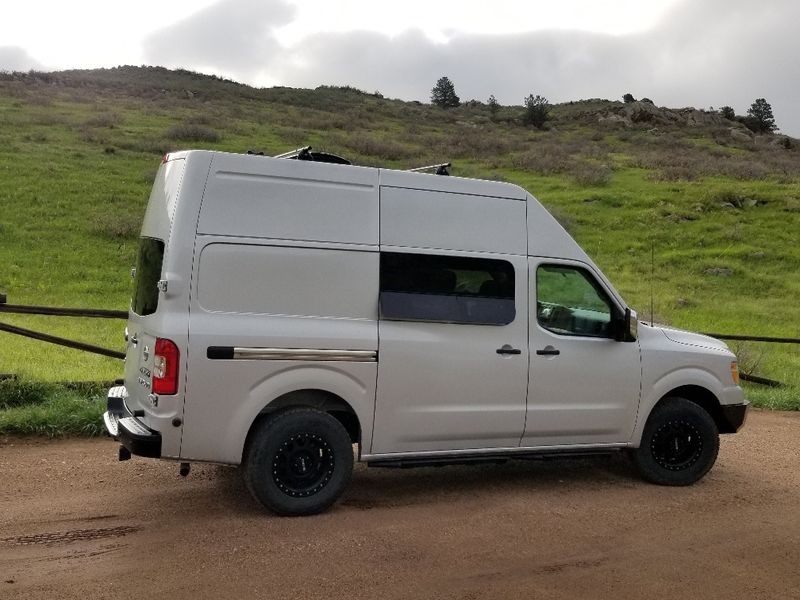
(679,445)
(298,462)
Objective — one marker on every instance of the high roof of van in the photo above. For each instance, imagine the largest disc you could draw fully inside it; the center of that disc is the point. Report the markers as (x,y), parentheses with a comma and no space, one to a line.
(396,177)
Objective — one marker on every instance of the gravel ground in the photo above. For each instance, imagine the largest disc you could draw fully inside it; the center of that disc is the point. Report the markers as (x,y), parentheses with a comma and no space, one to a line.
(75,523)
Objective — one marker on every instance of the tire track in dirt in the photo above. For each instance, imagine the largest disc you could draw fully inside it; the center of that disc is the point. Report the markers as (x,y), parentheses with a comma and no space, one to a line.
(69,536)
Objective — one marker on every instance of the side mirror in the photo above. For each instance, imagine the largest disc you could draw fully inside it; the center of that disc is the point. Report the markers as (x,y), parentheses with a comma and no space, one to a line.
(631,326)
(626,327)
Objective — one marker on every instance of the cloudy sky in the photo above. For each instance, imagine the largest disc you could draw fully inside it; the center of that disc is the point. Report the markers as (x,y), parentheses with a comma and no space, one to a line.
(678,52)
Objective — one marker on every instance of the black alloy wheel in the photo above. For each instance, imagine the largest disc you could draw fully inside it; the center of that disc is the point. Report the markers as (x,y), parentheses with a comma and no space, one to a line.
(298,461)
(303,465)
(679,444)
(676,445)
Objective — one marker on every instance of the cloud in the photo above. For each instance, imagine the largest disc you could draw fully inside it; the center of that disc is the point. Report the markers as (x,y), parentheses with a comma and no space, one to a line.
(716,52)
(232,37)
(14,58)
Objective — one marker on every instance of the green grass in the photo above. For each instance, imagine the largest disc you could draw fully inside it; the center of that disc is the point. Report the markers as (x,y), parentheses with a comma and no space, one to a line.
(772,398)
(79,150)
(51,410)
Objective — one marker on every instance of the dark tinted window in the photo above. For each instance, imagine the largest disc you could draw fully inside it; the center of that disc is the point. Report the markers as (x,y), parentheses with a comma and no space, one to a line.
(450,289)
(148,272)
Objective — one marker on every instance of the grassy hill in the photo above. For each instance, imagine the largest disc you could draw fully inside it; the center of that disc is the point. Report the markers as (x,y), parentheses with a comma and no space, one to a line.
(716,208)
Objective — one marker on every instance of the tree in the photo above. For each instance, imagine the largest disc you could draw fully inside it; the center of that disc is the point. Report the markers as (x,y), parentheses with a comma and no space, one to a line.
(728,113)
(494,105)
(759,117)
(537,111)
(628,98)
(444,94)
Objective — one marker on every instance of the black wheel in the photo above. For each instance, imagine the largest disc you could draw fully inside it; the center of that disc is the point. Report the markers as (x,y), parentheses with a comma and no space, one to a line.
(679,444)
(298,462)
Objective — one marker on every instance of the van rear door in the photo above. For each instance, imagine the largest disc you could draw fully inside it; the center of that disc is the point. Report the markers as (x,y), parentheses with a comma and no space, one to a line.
(145,322)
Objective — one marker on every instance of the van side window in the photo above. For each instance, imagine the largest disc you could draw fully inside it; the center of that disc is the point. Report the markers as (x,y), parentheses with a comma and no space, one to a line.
(447,289)
(569,301)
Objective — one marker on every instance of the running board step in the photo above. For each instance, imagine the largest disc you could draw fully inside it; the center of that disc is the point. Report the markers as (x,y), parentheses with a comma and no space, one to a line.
(498,459)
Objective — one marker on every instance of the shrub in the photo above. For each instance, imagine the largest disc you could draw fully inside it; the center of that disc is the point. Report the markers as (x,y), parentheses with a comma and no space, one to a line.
(545,160)
(674,173)
(190,132)
(476,143)
(147,146)
(628,98)
(116,225)
(369,145)
(566,221)
(728,113)
(589,174)
(108,120)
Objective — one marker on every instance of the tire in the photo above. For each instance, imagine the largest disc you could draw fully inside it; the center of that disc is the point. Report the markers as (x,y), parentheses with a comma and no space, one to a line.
(679,445)
(298,462)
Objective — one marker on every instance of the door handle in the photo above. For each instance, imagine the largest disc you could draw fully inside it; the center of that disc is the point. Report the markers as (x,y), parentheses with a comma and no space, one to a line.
(506,349)
(548,351)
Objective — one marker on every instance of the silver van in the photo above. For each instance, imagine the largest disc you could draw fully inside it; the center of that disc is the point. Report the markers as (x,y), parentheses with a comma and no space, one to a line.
(289,316)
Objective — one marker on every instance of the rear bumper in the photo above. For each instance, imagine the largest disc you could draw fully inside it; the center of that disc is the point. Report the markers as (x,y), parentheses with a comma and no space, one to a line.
(733,417)
(127,429)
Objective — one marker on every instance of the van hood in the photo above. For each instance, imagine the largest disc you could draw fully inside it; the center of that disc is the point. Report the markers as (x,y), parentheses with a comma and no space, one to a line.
(694,339)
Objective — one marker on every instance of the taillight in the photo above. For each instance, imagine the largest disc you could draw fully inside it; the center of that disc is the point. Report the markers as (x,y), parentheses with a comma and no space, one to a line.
(165,367)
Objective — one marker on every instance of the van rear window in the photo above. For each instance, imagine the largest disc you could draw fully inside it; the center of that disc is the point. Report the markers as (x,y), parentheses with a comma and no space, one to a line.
(148,272)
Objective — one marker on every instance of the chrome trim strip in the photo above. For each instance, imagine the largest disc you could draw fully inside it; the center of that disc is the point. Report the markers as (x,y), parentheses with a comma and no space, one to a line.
(305,354)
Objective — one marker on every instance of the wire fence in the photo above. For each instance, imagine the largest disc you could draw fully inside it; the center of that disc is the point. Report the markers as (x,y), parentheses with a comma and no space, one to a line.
(100,313)
(92,313)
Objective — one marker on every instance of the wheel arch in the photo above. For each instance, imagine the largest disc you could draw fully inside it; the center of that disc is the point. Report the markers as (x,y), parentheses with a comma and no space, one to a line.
(321,400)
(704,398)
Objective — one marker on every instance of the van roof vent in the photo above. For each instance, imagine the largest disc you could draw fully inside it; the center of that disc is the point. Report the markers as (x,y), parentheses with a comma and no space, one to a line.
(440,169)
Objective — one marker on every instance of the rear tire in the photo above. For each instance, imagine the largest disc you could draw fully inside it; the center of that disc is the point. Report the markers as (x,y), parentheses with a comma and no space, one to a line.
(298,461)
(679,445)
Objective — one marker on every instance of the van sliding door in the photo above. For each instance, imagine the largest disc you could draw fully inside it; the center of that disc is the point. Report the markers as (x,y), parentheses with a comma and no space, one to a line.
(452,373)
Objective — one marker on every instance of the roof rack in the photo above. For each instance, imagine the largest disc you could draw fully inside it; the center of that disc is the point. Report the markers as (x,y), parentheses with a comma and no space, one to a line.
(440,169)
(305,153)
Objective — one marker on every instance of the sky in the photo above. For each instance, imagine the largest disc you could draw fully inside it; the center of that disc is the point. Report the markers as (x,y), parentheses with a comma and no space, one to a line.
(702,53)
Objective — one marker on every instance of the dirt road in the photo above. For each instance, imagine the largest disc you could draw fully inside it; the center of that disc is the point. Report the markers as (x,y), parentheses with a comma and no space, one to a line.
(75,523)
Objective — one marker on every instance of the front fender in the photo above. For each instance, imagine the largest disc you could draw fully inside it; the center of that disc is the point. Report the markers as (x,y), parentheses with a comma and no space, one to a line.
(654,391)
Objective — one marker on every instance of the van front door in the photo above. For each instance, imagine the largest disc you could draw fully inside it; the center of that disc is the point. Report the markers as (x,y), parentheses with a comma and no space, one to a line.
(453,351)
(584,385)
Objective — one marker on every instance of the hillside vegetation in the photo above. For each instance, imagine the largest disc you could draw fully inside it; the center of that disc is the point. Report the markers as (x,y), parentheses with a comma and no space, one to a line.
(681,206)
